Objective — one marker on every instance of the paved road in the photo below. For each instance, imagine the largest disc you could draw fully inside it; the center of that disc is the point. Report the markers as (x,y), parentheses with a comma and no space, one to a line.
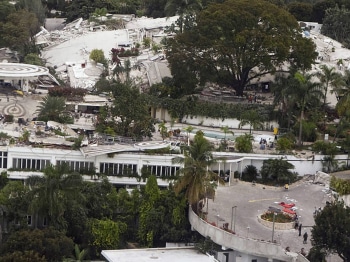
(254,200)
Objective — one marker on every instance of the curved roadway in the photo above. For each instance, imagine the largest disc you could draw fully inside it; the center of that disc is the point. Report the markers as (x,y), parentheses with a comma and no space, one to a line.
(254,200)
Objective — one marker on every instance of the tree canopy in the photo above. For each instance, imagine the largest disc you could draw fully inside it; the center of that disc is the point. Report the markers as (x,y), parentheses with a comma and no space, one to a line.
(332,230)
(336,24)
(237,41)
(196,178)
(53,108)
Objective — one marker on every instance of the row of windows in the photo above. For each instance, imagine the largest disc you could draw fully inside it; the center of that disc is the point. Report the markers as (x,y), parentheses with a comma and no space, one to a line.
(158,171)
(105,168)
(32,164)
(129,169)
(78,166)
(118,169)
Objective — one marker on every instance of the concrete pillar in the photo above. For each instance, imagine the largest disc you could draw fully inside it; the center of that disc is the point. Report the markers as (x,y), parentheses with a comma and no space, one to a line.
(230,177)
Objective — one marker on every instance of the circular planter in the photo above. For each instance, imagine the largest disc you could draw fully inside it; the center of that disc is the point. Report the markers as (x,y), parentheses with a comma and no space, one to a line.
(278,226)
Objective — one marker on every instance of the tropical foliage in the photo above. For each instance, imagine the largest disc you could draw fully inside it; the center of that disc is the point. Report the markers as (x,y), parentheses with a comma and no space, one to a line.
(195,179)
(244,143)
(221,49)
(93,214)
(277,170)
(251,118)
(331,230)
(53,108)
(130,108)
(51,193)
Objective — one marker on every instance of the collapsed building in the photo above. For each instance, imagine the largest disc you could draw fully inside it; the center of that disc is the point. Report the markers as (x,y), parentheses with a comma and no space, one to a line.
(68,50)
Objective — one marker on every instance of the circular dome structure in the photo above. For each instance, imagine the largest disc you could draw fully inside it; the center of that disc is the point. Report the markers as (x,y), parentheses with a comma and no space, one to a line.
(20,71)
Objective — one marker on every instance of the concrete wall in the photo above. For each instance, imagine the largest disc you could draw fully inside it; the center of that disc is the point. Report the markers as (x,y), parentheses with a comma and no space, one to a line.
(162,114)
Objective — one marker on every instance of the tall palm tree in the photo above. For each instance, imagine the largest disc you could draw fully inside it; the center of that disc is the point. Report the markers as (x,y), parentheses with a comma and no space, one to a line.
(282,99)
(343,105)
(226,131)
(52,192)
(163,130)
(329,78)
(188,130)
(196,178)
(304,90)
(251,118)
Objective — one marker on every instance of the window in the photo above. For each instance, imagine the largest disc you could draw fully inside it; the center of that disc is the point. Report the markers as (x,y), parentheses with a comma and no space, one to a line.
(23,163)
(29,220)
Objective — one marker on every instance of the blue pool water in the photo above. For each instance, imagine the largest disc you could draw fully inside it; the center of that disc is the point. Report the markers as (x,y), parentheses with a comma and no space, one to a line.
(217,135)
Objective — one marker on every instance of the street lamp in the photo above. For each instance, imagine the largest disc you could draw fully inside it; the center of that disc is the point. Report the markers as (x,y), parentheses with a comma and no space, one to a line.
(233,221)
(217,220)
(273,225)
(275,212)
(248,231)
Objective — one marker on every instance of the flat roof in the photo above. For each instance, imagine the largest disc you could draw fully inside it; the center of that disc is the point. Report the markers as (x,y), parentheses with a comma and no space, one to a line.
(19,71)
(183,254)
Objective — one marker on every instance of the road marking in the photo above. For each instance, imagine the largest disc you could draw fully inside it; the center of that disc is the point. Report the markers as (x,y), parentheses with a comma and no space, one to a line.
(257,200)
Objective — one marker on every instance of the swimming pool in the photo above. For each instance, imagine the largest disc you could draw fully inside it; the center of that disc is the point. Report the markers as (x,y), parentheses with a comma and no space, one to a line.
(216,134)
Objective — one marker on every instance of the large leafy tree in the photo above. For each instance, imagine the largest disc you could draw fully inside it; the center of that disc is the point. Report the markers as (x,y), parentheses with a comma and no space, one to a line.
(185,9)
(50,244)
(336,24)
(53,108)
(53,192)
(18,31)
(195,178)
(14,196)
(236,41)
(129,115)
(332,230)
(148,213)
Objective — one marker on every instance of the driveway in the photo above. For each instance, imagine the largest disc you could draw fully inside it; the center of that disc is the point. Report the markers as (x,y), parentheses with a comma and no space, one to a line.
(252,200)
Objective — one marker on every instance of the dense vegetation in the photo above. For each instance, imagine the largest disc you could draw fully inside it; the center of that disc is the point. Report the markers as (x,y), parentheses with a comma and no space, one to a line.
(64,210)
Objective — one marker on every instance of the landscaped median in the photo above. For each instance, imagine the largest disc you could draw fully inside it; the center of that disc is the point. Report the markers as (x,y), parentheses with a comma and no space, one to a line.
(278,226)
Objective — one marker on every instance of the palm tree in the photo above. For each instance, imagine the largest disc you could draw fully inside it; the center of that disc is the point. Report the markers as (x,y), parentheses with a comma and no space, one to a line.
(53,108)
(197,180)
(163,130)
(304,90)
(52,192)
(188,130)
(251,118)
(226,130)
(343,105)
(329,78)
(282,99)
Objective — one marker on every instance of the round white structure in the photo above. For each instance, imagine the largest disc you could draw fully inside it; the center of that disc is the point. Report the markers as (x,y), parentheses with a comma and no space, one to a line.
(20,74)
(21,71)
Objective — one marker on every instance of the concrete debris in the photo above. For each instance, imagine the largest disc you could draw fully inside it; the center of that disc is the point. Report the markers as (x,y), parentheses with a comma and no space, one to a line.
(68,50)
